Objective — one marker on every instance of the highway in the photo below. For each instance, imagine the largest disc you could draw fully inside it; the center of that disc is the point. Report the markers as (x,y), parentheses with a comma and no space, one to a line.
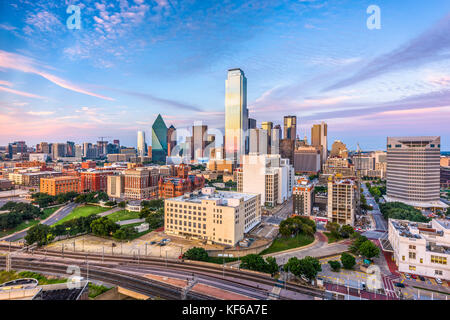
(58,215)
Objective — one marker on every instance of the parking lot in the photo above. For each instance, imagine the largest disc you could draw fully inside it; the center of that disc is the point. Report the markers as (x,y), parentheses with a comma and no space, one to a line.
(144,246)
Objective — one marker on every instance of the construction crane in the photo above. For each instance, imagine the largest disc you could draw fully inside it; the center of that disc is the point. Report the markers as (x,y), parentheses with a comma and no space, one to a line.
(101,138)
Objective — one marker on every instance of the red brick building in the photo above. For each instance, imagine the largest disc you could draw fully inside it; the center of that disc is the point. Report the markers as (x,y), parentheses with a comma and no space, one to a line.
(94,180)
(170,187)
(88,165)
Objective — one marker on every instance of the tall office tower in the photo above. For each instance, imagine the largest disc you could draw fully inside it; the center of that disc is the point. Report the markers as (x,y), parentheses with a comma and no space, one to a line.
(102,148)
(117,143)
(413,171)
(339,150)
(258,141)
(267,125)
(199,139)
(290,127)
(171,139)
(86,147)
(274,140)
(251,123)
(78,151)
(70,151)
(319,139)
(159,140)
(59,150)
(236,115)
(17,147)
(287,147)
(141,150)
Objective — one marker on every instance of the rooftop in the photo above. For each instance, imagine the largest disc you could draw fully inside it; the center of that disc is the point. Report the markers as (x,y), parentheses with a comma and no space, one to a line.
(223,197)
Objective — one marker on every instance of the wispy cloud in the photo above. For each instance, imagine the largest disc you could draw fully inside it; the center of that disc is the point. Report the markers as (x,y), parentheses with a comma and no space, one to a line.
(18,62)
(432,45)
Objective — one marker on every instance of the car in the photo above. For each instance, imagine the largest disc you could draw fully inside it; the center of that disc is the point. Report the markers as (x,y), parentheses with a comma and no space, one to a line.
(438,281)
(408,276)
(414,276)
(153,242)
(304,278)
(422,278)
(399,285)
(166,240)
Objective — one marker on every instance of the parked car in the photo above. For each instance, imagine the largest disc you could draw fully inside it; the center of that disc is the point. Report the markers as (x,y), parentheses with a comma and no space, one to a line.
(399,285)
(414,276)
(304,278)
(439,281)
(153,242)
(408,276)
(422,278)
(166,240)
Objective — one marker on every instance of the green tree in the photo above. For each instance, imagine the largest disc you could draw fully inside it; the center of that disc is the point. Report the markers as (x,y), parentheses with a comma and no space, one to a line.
(253,262)
(195,253)
(369,249)
(40,234)
(348,261)
(346,231)
(122,204)
(360,239)
(272,266)
(103,227)
(335,265)
(308,267)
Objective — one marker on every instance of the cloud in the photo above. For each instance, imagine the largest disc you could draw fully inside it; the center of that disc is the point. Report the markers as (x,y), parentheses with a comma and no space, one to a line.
(21,93)
(18,62)
(432,45)
(163,101)
(40,113)
(43,21)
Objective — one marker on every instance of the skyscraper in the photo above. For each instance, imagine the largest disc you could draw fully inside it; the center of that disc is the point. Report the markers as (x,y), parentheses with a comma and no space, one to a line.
(171,139)
(159,140)
(290,127)
(413,171)
(199,139)
(236,115)
(319,139)
(251,123)
(141,143)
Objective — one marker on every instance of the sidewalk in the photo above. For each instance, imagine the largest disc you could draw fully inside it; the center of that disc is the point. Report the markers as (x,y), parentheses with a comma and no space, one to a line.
(107,213)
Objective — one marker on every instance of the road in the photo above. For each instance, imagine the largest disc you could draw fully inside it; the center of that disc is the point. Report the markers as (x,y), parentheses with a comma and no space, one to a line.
(380,223)
(62,213)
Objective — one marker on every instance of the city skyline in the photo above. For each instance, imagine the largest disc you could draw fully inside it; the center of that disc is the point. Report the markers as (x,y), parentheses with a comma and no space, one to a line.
(360,82)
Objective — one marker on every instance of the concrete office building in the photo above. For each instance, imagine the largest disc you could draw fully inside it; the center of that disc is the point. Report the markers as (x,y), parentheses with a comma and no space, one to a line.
(199,141)
(259,141)
(275,138)
(339,150)
(115,186)
(307,160)
(319,139)
(303,197)
(215,216)
(236,115)
(269,175)
(413,171)
(343,200)
(421,248)
(290,128)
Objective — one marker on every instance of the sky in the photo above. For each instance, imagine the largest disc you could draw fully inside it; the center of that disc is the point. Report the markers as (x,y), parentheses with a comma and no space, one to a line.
(134,59)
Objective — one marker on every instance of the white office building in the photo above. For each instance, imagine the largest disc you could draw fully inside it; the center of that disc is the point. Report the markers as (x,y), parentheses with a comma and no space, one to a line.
(268,175)
(421,248)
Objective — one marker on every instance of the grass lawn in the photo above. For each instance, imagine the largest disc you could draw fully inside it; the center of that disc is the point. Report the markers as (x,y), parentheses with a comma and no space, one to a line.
(96,290)
(26,224)
(331,238)
(82,212)
(13,275)
(283,243)
(123,215)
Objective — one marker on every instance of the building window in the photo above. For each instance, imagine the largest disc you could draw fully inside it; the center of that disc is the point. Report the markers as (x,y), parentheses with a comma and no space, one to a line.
(412,268)
(438,272)
(439,260)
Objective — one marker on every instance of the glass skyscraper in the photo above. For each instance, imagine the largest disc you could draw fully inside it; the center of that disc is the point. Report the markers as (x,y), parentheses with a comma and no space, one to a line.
(141,143)
(236,115)
(159,140)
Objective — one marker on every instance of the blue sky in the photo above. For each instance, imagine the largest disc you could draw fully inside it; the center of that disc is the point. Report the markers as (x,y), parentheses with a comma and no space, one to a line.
(133,59)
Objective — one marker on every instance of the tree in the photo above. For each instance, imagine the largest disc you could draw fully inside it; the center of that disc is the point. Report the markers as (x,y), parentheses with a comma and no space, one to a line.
(297,225)
(346,231)
(272,266)
(103,227)
(334,229)
(360,239)
(40,234)
(308,267)
(369,249)
(401,211)
(335,265)
(122,204)
(253,262)
(195,253)
(155,220)
(348,261)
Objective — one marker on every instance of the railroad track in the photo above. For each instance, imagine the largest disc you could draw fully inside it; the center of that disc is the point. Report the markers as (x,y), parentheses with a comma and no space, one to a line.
(129,281)
(214,271)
